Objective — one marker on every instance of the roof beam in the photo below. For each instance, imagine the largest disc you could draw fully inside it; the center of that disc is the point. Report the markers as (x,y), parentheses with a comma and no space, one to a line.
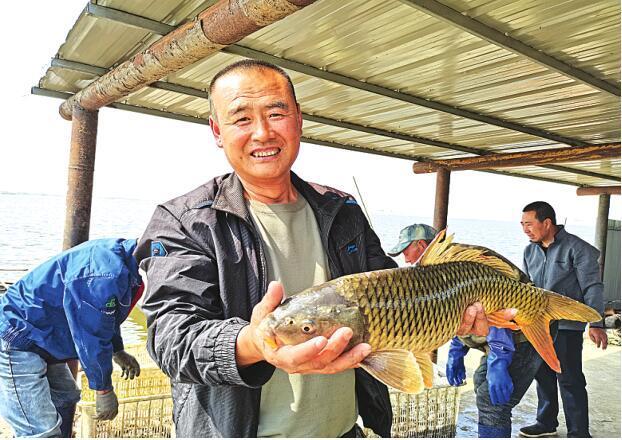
(525,158)
(94,70)
(217,26)
(598,190)
(157,28)
(472,26)
(152,112)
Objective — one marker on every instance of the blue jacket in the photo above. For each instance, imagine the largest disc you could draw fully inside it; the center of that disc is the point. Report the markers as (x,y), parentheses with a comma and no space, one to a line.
(569,267)
(72,306)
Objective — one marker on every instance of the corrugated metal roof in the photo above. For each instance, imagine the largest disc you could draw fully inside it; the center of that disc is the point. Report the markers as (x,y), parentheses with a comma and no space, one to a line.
(395,46)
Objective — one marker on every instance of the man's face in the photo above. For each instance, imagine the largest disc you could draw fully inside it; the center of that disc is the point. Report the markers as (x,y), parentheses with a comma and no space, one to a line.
(257,123)
(536,230)
(414,251)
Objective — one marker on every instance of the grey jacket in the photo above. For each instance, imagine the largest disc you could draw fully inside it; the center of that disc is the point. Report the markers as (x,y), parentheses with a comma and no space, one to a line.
(205,271)
(569,267)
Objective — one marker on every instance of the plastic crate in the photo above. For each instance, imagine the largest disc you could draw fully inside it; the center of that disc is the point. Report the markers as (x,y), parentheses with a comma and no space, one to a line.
(145,404)
(431,413)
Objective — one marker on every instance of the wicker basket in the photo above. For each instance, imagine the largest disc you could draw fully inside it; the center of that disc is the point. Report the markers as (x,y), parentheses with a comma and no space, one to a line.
(145,404)
(432,413)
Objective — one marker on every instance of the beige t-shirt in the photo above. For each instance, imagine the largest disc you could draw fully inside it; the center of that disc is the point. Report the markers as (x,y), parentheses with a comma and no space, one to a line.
(300,405)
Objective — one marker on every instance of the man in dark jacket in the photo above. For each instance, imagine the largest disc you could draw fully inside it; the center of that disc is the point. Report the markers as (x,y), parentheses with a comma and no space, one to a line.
(211,258)
(559,261)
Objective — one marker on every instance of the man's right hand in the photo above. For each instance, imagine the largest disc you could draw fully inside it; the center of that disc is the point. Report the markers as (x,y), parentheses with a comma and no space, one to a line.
(318,355)
(106,405)
(474,320)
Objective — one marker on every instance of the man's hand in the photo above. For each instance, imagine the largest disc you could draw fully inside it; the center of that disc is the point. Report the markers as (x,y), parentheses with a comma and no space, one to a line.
(128,363)
(598,337)
(474,320)
(106,405)
(318,355)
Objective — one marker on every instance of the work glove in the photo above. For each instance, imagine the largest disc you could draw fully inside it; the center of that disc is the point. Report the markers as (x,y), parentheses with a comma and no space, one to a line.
(455,371)
(106,405)
(501,344)
(128,363)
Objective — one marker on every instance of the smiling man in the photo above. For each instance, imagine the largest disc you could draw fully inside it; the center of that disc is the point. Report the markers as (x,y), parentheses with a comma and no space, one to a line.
(220,258)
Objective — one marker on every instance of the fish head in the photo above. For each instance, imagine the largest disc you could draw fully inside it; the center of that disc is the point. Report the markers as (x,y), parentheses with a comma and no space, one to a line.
(308,315)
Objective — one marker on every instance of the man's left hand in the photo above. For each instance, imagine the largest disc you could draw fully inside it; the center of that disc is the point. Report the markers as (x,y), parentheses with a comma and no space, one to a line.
(598,337)
(128,363)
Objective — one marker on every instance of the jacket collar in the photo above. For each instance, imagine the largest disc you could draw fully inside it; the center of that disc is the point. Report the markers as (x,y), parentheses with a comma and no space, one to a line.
(230,198)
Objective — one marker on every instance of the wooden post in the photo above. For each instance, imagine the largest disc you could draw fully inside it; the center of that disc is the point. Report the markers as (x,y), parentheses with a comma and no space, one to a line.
(80,182)
(602,226)
(441,203)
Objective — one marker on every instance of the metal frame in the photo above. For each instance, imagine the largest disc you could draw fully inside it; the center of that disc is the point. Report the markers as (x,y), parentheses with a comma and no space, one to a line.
(472,26)
(95,70)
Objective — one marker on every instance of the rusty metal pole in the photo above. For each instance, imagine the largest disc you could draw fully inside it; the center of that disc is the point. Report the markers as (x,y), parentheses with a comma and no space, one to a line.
(80,182)
(442,198)
(441,204)
(602,226)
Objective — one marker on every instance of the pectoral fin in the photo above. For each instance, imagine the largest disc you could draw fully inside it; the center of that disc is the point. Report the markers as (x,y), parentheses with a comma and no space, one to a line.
(496,319)
(427,370)
(396,368)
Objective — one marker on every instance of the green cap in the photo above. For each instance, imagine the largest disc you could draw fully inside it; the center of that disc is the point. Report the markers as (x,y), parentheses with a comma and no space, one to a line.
(418,231)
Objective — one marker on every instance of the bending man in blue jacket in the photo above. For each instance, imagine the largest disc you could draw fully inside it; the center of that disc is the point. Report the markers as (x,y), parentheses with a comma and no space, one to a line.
(70,307)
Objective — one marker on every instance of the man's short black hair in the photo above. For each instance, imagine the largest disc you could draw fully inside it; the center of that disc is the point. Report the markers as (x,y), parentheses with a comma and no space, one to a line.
(248,65)
(543,211)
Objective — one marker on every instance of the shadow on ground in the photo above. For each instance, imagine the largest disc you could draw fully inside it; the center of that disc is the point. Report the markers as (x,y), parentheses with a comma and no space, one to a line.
(602,372)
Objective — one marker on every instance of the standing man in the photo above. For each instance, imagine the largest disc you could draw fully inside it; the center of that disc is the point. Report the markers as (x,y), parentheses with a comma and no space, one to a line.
(558,261)
(70,307)
(213,257)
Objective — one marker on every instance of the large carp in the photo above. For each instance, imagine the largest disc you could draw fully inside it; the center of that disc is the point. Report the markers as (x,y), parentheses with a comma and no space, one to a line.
(406,313)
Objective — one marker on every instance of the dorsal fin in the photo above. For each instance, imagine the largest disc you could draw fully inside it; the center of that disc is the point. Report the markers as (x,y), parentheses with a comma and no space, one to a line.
(443,250)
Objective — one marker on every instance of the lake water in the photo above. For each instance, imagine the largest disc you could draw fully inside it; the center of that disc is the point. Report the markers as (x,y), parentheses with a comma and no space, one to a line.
(31,230)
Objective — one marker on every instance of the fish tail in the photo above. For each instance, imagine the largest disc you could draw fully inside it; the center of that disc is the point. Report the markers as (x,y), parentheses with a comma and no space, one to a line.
(557,307)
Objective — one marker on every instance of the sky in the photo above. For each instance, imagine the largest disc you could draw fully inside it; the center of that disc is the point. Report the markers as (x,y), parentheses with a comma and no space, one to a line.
(155,159)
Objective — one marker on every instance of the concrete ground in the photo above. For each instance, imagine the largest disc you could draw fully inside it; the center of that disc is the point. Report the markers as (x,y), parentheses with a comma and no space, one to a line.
(602,371)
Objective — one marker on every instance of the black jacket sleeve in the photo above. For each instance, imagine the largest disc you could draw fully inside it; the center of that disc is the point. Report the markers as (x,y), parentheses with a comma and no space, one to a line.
(188,336)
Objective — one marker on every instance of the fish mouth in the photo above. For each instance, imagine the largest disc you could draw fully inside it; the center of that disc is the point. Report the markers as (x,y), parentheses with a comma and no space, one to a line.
(267,329)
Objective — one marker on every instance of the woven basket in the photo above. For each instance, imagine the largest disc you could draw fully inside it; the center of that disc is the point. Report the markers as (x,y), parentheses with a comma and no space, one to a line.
(145,404)
(431,413)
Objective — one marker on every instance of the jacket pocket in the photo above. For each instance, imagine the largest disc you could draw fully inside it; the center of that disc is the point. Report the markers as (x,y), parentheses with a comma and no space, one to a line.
(352,254)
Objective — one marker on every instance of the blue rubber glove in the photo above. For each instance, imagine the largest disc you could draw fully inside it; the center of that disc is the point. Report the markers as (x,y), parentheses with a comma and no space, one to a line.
(500,384)
(454,369)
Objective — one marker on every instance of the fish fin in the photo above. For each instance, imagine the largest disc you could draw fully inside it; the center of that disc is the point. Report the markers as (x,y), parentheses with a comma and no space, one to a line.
(443,250)
(539,334)
(562,307)
(427,370)
(556,307)
(495,319)
(396,368)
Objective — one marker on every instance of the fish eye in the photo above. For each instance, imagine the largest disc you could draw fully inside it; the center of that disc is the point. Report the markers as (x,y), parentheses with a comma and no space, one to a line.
(308,327)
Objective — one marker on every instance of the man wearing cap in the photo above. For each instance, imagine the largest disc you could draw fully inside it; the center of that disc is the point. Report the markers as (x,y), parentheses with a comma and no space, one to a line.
(414,239)
(496,392)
